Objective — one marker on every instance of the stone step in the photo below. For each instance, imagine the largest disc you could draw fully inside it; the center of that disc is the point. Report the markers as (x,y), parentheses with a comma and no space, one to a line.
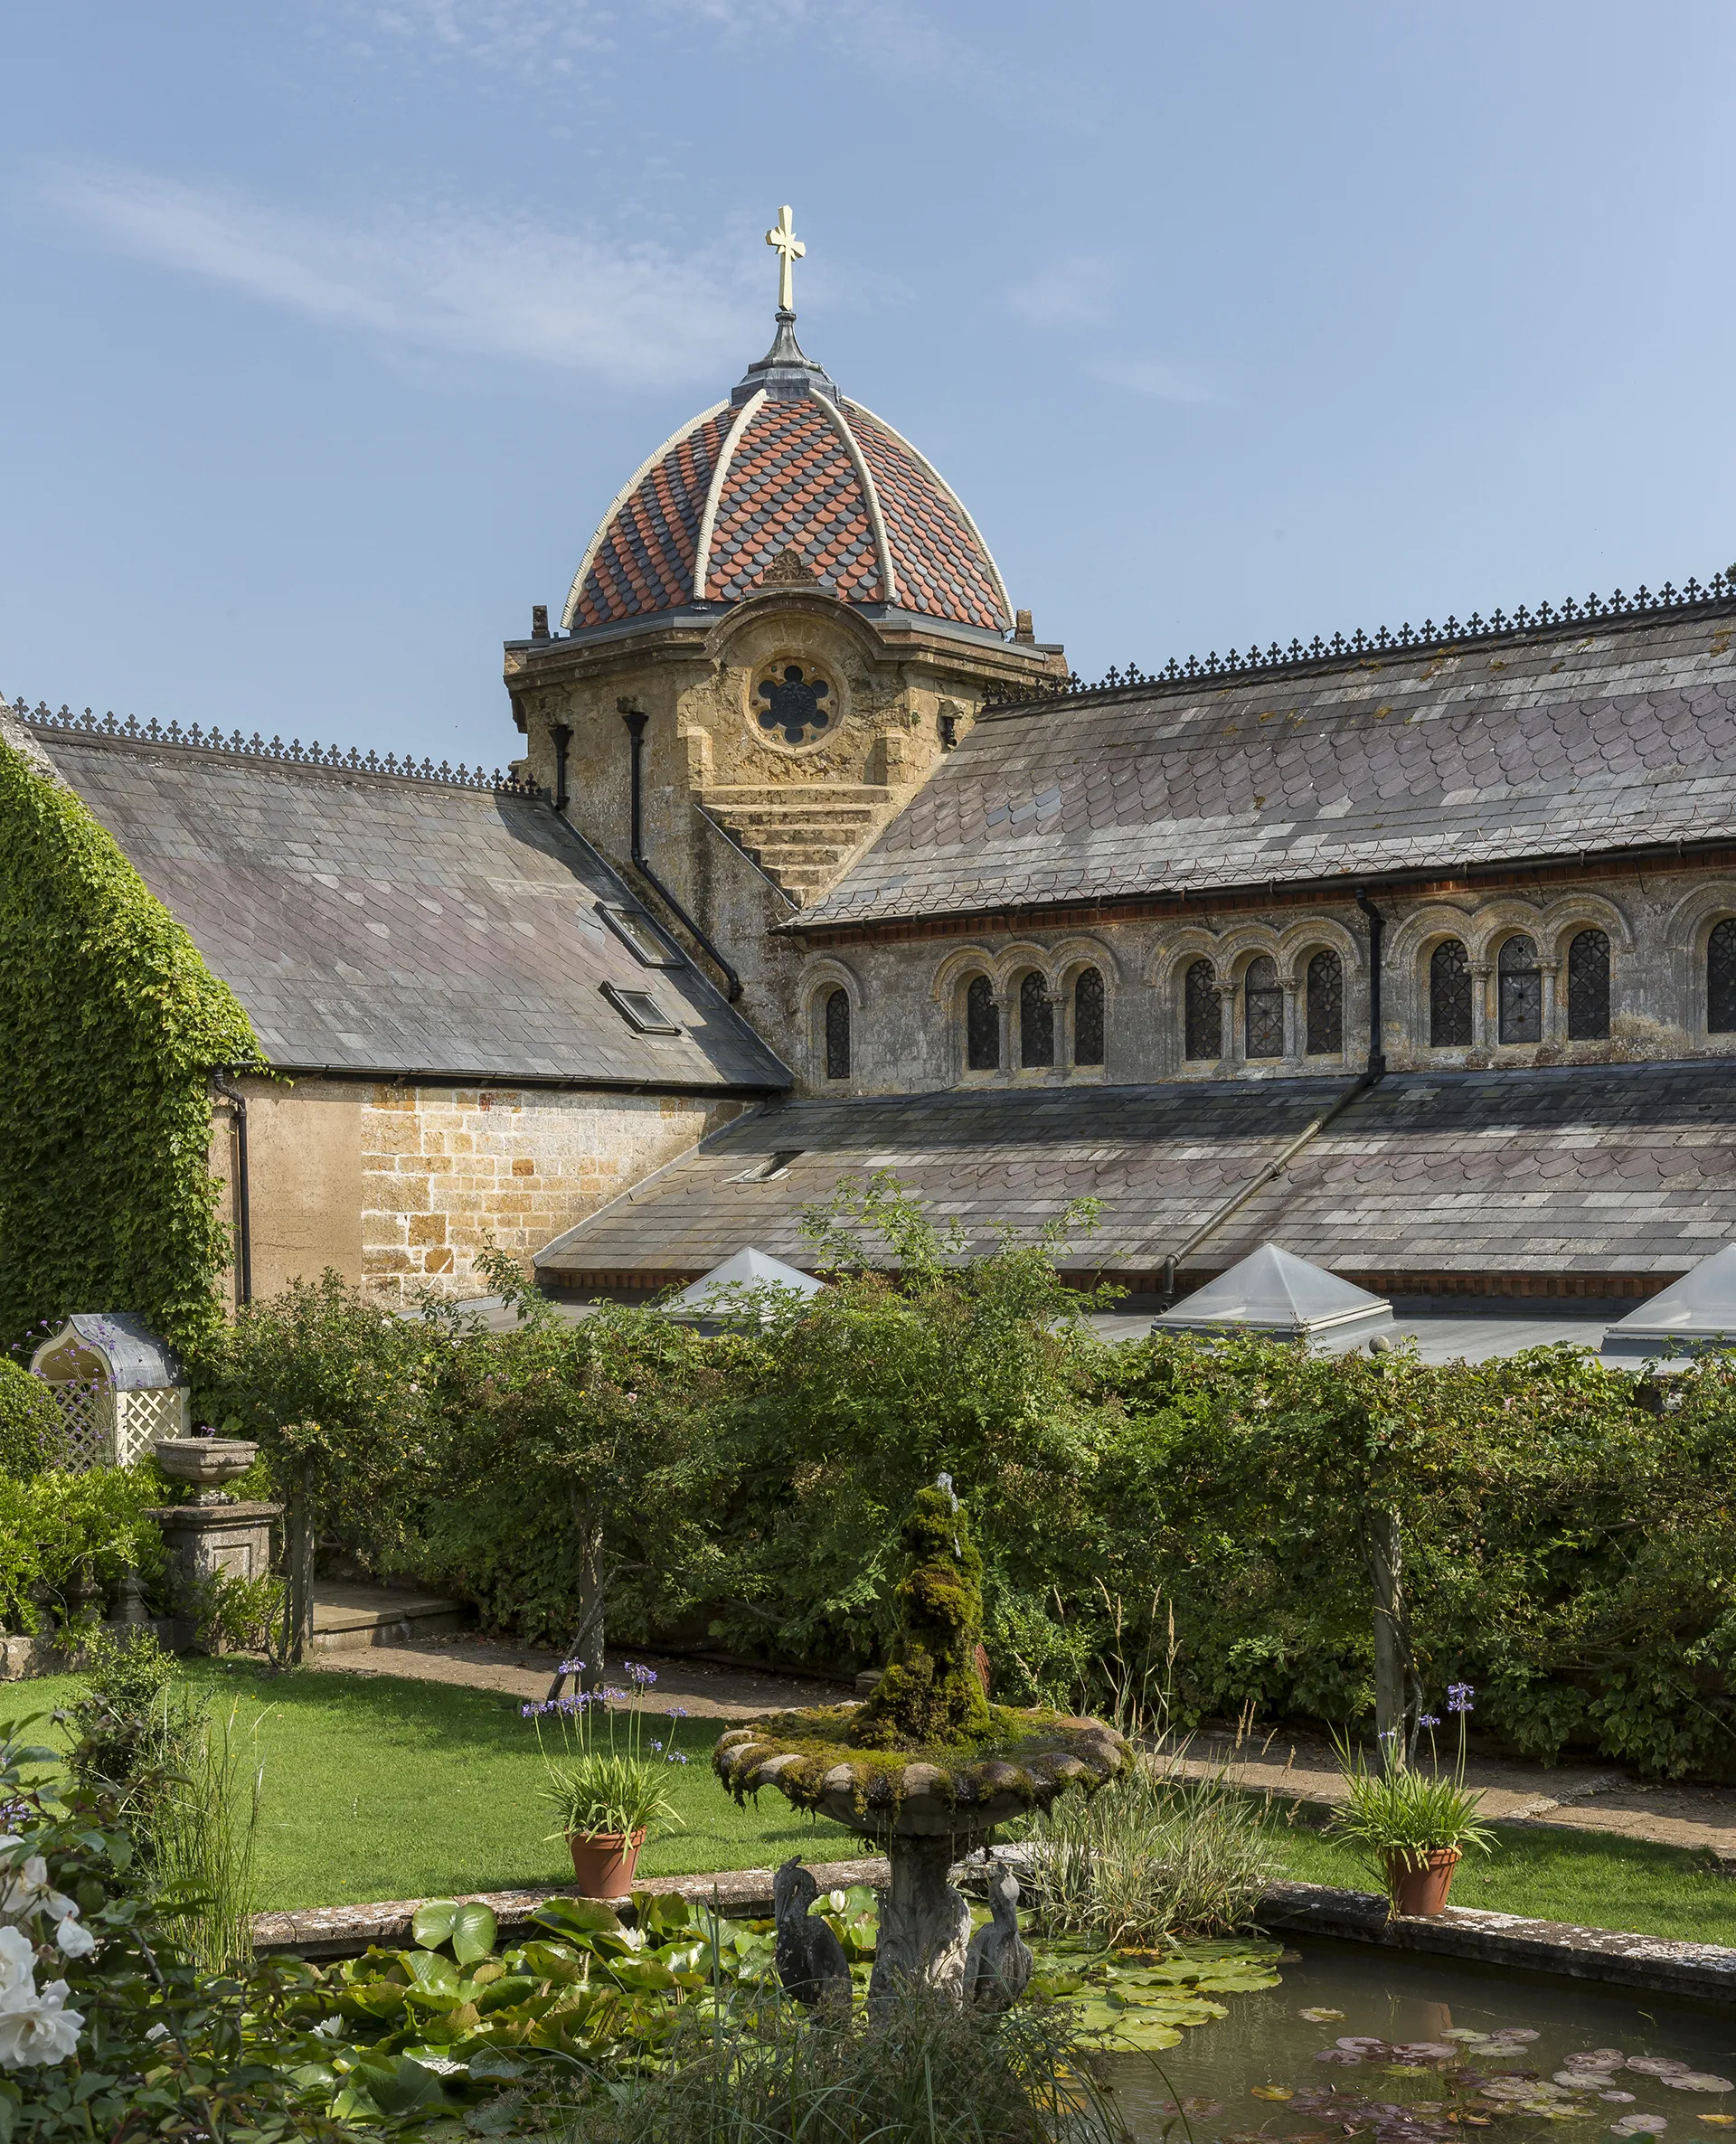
(798,855)
(728,794)
(353,1617)
(795,814)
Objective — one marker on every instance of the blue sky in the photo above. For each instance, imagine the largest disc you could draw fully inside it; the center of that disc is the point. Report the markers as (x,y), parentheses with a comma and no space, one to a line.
(332,327)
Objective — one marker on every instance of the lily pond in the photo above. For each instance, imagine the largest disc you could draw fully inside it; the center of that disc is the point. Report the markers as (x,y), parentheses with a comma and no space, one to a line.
(1355,2041)
(1234,2042)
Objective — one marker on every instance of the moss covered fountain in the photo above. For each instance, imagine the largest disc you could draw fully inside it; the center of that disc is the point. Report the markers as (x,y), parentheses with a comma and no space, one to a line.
(926,1767)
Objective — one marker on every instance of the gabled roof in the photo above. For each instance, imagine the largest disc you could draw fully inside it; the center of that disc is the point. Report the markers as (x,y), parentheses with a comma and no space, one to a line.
(1597,736)
(374,924)
(1583,1173)
(1271,1293)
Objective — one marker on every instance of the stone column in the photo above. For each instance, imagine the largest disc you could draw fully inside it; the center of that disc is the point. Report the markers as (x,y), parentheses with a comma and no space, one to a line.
(1486,1027)
(1294,1028)
(1554,1020)
(1228,1013)
(924,1924)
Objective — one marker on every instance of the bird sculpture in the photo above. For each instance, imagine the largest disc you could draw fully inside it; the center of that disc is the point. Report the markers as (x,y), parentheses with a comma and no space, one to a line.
(809,1957)
(997,1965)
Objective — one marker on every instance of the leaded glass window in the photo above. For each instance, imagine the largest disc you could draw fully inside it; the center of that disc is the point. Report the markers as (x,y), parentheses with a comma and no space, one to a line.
(1449,997)
(1325,1006)
(1202,1025)
(1262,999)
(982,1027)
(1588,987)
(837,1035)
(1520,982)
(1088,1016)
(1720,977)
(1036,1022)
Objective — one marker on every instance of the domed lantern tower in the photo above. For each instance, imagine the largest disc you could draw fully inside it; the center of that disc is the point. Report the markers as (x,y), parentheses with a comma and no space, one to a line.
(786,615)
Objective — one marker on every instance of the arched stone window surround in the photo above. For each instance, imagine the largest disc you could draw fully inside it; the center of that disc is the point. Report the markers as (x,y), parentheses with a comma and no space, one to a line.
(1035,1020)
(952,980)
(1166,976)
(1242,948)
(1686,936)
(1562,922)
(1491,925)
(819,979)
(1410,950)
(1298,946)
(1066,962)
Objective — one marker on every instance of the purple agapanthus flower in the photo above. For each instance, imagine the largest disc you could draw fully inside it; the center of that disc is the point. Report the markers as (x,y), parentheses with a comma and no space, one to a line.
(1459,1697)
(573,1667)
(677,1712)
(640,1674)
(1427,1720)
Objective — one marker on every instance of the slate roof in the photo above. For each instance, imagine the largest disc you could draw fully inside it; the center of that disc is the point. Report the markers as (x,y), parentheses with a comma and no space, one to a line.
(373,924)
(1585,737)
(789,464)
(1628,1170)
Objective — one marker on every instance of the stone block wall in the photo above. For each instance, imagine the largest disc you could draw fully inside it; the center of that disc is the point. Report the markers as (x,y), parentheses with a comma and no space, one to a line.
(399,1186)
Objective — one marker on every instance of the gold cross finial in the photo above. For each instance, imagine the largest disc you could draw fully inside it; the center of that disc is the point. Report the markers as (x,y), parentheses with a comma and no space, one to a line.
(790,249)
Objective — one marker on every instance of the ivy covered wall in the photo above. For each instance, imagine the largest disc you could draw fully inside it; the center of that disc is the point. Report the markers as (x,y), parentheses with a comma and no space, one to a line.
(110,1025)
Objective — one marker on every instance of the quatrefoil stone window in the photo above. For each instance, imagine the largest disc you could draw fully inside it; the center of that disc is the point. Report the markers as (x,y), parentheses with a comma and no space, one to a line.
(793,704)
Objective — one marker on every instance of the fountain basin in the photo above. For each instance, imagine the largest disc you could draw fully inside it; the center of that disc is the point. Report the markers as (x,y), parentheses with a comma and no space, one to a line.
(1028,1758)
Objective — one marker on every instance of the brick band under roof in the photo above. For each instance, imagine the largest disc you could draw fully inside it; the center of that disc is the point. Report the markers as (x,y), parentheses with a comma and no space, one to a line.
(719,501)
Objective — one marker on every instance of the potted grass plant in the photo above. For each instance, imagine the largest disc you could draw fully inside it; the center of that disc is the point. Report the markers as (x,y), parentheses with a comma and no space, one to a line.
(608,1782)
(1412,1826)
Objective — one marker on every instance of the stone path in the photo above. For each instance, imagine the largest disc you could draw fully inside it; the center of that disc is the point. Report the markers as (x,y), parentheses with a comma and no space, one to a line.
(1578,1796)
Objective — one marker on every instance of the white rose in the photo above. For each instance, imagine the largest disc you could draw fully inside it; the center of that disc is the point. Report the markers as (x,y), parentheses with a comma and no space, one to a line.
(38,2032)
(74,1937)
(17,1968)
(29,1894)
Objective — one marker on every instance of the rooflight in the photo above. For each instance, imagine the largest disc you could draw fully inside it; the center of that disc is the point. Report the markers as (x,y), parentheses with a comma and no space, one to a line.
(640,1010)
(641,937)
(770,1168)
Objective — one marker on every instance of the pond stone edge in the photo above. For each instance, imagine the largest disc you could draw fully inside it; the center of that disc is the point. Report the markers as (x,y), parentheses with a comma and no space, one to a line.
(1653,1963)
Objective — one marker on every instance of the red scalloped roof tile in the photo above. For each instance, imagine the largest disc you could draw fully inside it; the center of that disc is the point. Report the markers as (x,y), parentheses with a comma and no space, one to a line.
(791,484)
(645,562)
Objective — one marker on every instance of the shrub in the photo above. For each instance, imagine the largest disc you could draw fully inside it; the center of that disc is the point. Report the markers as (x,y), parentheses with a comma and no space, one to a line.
(64,1537)
(137,1734)
(32,1432)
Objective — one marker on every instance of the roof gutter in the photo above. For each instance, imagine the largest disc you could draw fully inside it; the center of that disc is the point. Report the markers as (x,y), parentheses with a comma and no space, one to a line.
(1372,1073)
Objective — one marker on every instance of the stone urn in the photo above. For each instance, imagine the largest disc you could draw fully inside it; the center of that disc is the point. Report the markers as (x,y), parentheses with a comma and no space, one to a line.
(926,1767)
(207,1462)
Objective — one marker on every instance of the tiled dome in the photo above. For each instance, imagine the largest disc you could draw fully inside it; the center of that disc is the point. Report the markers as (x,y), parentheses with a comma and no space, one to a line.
(787,463)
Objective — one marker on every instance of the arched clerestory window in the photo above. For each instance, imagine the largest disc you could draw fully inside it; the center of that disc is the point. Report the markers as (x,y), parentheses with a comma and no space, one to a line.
(1520,983)
(1325,1007)
(838,1034)
(982,1027)
(1721,978)
(1036,1022)
(1088,1016)
(1588,987)
(1449,997)
(1262,999)
(1202,1022)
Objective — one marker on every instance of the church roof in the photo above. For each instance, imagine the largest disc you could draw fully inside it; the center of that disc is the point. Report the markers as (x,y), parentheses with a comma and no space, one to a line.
(1500,749)
(398,924)
(1592,1172)
(787,463)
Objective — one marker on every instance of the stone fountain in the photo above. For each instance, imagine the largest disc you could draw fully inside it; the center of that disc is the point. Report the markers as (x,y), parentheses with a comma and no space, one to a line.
(926,1767)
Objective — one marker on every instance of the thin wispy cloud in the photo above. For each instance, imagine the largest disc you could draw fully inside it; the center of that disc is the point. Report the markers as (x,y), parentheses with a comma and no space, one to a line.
(480,286)
(1077,292)
(1150,376)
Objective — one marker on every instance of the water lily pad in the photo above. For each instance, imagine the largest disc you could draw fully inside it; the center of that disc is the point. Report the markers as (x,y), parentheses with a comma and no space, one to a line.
(1321,2016)
(1425,2050)
(1639,2125)
(1700,2081)
(1272,2091)
(1658,2065)
(1722,2121)
(1617,2099)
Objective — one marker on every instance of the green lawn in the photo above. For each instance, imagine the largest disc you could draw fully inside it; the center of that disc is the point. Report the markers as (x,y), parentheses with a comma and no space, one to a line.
(377,1787)
(1593,1879)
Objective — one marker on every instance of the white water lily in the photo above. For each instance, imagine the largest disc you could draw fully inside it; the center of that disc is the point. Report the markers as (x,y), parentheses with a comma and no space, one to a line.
(40,2029)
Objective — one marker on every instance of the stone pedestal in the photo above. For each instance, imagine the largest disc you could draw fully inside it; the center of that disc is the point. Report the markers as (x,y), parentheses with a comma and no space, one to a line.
(205,1538)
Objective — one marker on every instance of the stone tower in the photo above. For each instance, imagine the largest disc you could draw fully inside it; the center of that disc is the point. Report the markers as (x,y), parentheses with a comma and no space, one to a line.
(784,618)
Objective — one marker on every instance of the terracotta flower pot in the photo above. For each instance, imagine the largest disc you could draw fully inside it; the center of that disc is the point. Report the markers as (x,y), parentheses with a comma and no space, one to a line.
(1418,1882)
(603,1861)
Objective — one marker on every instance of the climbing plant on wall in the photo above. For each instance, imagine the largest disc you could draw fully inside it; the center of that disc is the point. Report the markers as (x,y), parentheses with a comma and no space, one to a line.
(110,1026)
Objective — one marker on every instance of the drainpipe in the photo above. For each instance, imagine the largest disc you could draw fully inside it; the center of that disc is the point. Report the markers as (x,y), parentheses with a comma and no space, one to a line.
(636,723)
(1372,1073)
(244,1220)
(562,737)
